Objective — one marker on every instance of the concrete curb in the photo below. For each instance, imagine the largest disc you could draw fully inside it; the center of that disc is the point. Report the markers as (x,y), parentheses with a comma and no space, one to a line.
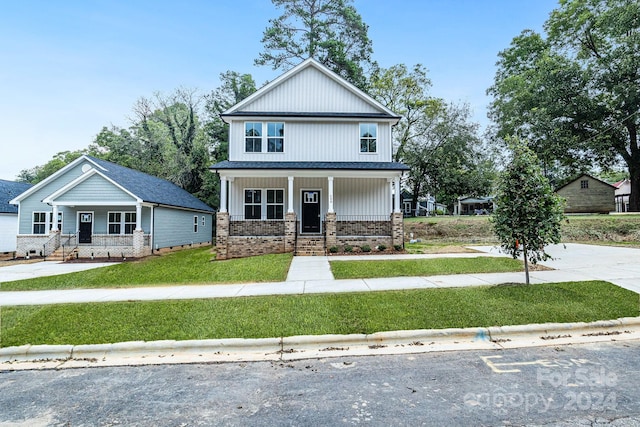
(315,346)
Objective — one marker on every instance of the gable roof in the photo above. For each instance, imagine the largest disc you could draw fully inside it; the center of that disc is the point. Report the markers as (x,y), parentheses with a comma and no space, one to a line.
(148,188)
(583,176)
(8,191)
(382,112)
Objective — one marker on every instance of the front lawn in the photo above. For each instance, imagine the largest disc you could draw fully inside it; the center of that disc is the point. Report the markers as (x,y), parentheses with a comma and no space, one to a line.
(423,267)
(192,266)
(287,315)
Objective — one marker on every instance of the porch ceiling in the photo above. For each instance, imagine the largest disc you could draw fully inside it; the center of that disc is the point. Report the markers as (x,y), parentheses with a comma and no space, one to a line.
(309,169)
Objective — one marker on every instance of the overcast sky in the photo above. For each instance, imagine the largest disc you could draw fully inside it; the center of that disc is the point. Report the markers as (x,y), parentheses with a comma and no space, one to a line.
(68,68)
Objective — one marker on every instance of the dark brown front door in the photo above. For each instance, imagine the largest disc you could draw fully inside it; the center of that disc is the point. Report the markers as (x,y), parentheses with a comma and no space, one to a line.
(310,211)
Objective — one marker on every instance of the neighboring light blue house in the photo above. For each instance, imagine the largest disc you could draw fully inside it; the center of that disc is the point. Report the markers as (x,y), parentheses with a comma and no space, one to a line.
(9,214)
(95,208)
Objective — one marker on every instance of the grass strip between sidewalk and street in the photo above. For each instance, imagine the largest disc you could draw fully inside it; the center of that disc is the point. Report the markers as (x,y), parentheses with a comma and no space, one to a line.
(341,313)
(423,267)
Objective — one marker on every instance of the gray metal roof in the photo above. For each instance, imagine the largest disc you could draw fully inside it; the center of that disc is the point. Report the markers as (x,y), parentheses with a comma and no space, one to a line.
(8,191)
(388,166)
(149,188)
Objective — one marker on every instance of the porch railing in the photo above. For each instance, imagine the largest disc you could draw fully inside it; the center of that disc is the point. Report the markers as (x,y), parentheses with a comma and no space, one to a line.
(363,225)
(239,226)
(49,246)
(68,244)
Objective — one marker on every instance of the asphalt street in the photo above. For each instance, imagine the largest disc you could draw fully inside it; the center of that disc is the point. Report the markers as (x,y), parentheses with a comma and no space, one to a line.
(594,384)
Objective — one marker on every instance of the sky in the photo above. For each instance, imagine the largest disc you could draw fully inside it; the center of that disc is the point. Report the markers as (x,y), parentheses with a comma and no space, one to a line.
(70,67)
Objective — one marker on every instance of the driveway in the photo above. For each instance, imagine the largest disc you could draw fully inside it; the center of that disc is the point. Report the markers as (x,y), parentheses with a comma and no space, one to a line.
(13,272)
(618,265)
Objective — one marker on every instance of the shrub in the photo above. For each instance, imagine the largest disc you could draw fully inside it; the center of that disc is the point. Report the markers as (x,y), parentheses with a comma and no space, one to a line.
(333,249)
(365,248)
(382,247)
(397,247)
(348,248)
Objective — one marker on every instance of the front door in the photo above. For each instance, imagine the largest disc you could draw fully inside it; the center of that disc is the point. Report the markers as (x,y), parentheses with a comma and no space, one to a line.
(310,211)
(86,227)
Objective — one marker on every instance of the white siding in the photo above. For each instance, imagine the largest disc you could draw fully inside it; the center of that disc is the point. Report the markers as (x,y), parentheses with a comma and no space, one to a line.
(316,141)
(310,91)
(8,230)
(352,196)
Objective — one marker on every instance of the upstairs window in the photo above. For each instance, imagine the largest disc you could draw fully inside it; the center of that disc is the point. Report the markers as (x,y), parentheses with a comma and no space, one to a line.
(584,184)
(275,137)
(253,137)
(368,137)
(255,141)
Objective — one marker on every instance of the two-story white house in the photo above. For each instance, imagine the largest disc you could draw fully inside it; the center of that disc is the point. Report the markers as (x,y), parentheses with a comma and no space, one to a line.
(310,168)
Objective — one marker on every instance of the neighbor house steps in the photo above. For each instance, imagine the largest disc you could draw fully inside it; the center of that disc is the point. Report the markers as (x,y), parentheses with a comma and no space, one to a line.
(60,255)
(310,246)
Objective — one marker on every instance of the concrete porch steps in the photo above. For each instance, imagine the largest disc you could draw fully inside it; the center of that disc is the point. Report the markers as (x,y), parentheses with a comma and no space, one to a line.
(57,255)
(310,246)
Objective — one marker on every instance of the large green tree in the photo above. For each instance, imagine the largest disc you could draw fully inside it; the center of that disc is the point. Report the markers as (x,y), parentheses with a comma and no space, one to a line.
(330,31)
(575,95)
(447,159)
(528,213)
(38,173)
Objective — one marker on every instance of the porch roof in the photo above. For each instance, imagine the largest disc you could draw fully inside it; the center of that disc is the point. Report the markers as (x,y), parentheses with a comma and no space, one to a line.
(345,166)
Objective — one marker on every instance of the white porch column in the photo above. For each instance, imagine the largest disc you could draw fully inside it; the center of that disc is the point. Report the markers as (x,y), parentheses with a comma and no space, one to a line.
(139,216)
(396,184)
(330,182)
(290,195)
(223,194)
(54,218)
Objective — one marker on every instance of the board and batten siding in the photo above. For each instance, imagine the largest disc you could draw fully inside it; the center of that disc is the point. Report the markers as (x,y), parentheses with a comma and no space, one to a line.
(320,94)
(352,196)
(315,141)
(174,227)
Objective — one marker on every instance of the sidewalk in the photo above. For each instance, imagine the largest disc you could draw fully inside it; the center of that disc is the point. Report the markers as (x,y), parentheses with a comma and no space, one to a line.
(309,275)
(313,275)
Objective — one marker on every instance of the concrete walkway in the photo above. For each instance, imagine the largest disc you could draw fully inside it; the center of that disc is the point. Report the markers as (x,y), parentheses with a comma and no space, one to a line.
(313,275)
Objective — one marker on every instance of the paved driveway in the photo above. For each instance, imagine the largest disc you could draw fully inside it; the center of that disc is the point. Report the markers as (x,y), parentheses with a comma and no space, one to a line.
(10,273)
(618,265)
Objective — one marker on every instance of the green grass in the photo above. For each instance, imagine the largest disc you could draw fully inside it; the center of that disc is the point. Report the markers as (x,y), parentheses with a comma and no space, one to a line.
(193,266)
(275,316)
(423,267)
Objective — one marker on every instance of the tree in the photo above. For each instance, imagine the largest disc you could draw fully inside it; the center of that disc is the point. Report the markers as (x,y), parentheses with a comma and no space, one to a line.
(39,173)
(576,95)
(447,159)
(528,213)
(330,31)
(406,93)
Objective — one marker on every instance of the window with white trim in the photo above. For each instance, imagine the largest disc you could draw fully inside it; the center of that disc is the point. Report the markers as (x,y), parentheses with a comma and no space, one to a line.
(255,141)
(59,220)
(204,219)
(39,223)
(275,137)
(253,137)
(195,223)
(121,222)
(368,137)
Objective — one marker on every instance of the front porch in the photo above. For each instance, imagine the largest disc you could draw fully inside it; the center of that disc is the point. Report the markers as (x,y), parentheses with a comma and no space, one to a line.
(237,237)
(64,246)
